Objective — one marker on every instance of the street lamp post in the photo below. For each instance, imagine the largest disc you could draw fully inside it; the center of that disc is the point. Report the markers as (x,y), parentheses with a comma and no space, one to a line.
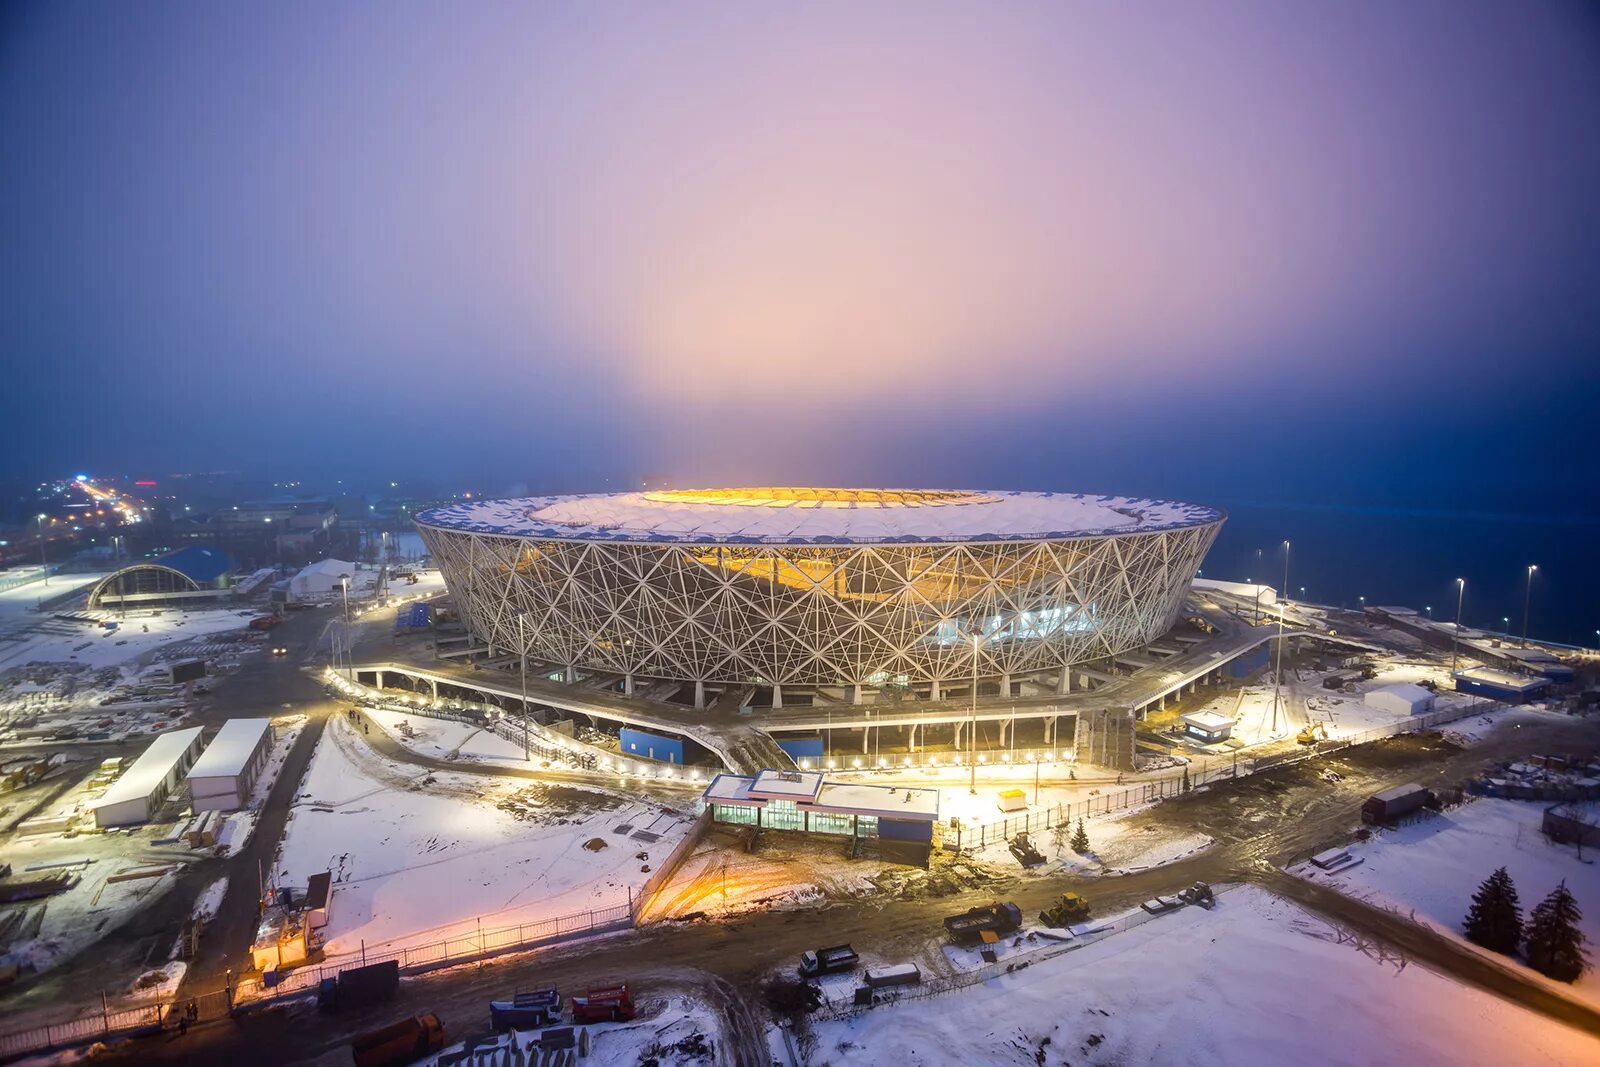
(1455,637)
(522,641)
(1258,587)
(972,721)
(44,563)
(1527,602)
(344,592)
(1277,680)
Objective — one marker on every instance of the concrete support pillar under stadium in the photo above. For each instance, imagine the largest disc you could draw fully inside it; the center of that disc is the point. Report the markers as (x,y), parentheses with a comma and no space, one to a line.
(855,693)
(1161,703)
(777,697)
(433,684)
(627,685)
(957,744)
(699,694)
(866,739)
(570,675)
(933,689)
(1005,726)
(1005,687)
(1064,680)
(1050,729)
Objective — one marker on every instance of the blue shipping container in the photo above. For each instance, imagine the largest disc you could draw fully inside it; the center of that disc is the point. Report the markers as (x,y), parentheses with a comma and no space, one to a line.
(637,744)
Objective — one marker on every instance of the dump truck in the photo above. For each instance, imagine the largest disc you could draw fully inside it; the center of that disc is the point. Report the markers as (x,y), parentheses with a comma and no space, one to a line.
(1069,908)
(1389,805)
(603,1004)
(835,960)
(997,917)
(400,1043)
(358,986)
(525,1011)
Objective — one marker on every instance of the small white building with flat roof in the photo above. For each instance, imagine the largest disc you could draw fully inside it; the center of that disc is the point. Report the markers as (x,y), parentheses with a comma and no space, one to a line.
(222,778)
(135,796)
(1208,726)
(1403,698)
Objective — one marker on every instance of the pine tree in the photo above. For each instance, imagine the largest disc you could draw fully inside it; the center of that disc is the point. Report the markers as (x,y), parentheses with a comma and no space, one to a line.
(1495,918)
(1080,838)
(1186,779)
(1555,944)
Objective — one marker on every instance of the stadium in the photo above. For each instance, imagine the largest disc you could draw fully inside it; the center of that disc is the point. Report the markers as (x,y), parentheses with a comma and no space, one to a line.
(832,593)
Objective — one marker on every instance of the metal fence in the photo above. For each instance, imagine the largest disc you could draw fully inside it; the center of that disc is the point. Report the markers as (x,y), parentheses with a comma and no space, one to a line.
(1200,773)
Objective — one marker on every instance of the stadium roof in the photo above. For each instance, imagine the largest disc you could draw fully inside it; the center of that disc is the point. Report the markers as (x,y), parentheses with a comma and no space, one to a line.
(202,564)
(817,516)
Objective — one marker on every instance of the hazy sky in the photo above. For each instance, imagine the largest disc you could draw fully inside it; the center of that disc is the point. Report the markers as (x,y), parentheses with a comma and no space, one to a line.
(1343,252)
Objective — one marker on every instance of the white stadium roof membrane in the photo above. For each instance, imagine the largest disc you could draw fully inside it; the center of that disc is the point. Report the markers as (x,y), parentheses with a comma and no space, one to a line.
(818,516)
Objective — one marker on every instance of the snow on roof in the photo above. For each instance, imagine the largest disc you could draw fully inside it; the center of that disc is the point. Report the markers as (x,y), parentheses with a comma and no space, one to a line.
(231,749)
(817,516)
(1529,655)
(787,785)
(1500,678)
(729,788)
(1208,720)
(334,567)
(151,768)
(884,801)
(1407,691)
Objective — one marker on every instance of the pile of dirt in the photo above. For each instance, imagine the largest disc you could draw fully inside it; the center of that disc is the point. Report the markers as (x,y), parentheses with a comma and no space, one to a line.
(556,804)
(943,878)
(595,844)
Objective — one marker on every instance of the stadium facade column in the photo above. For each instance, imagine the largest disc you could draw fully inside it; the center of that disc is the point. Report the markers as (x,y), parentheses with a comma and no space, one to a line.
(627,685)
(1064,680)
(699,695)
(855,693)
(777,697)
(933,689)
(1005,687)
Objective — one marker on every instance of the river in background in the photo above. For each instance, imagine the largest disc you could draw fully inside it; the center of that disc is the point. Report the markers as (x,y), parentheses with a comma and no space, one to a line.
(1412,558)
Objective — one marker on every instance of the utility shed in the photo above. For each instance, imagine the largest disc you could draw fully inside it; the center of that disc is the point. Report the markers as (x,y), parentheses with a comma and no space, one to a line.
(1401,699)
(319,897)
(1207,726)
(143,787)
(221,779)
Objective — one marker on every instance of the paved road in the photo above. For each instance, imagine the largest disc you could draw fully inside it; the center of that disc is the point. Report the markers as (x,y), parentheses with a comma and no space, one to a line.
(1258,822)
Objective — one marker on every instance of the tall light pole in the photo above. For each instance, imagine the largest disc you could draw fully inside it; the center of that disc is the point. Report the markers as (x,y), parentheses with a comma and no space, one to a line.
(1455,637)
(1527,602)
(344,588)
(43,563)
(522,641)
(1258,587)
(972,720)
(1277,680)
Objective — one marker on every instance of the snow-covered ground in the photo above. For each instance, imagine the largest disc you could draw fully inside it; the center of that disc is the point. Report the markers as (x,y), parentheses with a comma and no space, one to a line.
(141,633)
(1431,868)
(23,601)
(418,858)
(445,738)
(1256,981)
(210,899)
(1118,844)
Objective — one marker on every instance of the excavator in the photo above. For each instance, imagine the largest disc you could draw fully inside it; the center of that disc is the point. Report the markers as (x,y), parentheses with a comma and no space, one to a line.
(1311,733)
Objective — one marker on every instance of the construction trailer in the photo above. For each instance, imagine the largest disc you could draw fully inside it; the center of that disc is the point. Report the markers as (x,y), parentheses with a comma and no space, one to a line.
(222,778)
(136,796)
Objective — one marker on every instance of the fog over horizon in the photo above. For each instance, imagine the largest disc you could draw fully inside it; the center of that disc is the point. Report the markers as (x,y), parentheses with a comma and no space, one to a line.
(1234,252)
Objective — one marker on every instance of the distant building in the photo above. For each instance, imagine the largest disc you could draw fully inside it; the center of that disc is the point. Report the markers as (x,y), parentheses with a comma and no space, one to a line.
(266,530)
(192,575)
(1501,685)
(805,801)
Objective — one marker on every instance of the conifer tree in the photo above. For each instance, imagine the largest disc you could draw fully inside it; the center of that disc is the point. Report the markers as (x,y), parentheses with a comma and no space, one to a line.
(1555,944)
(1495,918)
(1080,838)
(1186,786)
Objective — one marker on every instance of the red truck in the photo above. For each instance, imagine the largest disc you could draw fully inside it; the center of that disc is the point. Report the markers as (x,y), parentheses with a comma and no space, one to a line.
(264,623)
(401,1043)
(603,1004)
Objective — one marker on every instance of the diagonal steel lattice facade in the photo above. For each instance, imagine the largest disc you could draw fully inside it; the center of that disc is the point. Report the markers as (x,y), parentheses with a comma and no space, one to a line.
(810,615)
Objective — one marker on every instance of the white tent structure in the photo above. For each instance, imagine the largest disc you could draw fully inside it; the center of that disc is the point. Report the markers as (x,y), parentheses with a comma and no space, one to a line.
(322,581)
(1401,699)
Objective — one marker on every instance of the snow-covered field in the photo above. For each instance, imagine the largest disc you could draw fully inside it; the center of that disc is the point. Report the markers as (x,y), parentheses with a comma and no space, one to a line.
(1432,868)
(1118,844)
(22,602)
(445,738)
(54,640)
(1256,981)
(418,861)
